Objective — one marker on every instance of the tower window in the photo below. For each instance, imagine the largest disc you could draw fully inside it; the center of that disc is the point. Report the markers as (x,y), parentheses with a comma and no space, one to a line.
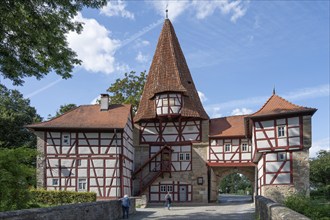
(227,148)
(169,103)
(281,131)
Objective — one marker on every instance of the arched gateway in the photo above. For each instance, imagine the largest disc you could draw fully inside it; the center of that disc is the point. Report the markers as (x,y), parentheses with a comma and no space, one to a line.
(172,145)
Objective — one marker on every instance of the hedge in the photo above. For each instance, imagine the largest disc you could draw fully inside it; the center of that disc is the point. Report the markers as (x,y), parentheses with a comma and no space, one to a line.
(61,197)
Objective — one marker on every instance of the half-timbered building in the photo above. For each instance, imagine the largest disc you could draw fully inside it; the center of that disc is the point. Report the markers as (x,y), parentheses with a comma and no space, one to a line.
(87,149)
(171,145)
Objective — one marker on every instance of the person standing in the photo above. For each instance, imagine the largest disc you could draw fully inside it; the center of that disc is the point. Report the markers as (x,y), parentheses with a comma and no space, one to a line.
(125,204)
(168,200)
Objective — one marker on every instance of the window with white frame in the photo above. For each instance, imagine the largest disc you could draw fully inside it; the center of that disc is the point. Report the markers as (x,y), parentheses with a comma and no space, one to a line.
(82,184)
(281,131)
(227,147)
(181,156)
(78,162)
(55,182)
(281,156)
(245,148)
(169,188)
(65,138)
(163,188)
(184,156)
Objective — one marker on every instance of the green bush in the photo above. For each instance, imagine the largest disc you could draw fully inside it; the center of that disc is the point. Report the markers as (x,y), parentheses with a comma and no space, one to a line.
(61,197)
(310,208)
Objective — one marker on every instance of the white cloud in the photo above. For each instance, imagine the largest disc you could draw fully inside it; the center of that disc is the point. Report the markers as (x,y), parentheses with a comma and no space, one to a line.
(310,92)
(117,8)
(241,111)
(322,144)
(202,9)
(202,96)
(94,46)
(141,58)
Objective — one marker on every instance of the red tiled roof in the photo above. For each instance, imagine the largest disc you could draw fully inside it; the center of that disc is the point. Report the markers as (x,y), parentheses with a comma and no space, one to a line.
(227,126)
(277,105)
(169,72)
(88,117)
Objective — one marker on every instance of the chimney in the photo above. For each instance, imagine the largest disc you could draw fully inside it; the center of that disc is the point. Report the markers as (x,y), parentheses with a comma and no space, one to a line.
(104,104)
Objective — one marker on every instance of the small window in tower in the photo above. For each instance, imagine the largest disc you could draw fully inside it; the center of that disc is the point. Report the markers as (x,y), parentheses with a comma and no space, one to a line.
(163,188)
(281,131)
(181,156)
(227,148)
(244,147)
(169,188)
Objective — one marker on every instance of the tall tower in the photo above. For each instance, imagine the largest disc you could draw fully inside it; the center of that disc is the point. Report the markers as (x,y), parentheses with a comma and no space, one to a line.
(172,127)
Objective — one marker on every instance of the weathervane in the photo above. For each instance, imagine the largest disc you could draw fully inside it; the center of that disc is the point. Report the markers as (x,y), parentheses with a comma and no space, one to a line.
(166,11)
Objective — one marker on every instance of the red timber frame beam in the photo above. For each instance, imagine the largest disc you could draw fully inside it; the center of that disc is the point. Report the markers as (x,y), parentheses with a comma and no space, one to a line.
(249,164)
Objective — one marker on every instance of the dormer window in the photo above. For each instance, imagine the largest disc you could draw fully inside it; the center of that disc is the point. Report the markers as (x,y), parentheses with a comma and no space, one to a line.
(169,103)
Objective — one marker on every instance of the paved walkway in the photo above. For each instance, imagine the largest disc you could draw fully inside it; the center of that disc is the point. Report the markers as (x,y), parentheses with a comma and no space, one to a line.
(230,207)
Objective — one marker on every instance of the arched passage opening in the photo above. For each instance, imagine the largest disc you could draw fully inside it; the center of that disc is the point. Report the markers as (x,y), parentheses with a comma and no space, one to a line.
(232,180)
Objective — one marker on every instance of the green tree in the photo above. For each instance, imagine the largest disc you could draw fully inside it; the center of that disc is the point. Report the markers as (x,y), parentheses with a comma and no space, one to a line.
(15,113)
(128,90)
(63,109)
(33,37)
(235,183)
(17,176)
(320,169)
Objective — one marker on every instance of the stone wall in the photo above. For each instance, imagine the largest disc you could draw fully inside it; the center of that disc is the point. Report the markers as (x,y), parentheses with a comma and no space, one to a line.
(267,209)
(96,210)
(41,164)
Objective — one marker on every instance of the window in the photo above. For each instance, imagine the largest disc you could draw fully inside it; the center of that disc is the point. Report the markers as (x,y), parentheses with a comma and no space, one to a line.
(78,162)
(82,184)
(184,156)
(281,156)
(227,147)
(213,142)
(169,103)
(55,182)
(163,188)
(244,147)
(280,131)
(66,139)
(169,188)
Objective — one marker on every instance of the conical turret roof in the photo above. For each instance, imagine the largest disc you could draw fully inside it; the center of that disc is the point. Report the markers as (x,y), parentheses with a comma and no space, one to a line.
(169,72)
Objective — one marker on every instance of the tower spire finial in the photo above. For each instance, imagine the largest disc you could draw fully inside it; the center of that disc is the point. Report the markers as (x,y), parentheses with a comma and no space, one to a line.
(274,92)
(166,11)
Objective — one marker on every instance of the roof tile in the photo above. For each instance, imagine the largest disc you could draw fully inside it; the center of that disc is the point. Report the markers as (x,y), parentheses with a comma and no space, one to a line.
(88,117)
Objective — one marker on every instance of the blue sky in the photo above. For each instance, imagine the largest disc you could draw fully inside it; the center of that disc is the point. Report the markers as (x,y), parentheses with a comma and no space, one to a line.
(237,51)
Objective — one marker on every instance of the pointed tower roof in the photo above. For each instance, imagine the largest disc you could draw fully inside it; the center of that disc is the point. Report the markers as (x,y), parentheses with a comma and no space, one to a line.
(277,105)
(169,72)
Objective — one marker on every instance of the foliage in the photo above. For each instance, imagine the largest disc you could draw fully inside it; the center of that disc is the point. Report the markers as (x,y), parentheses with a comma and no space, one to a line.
(15,113)
(128,90)
(320,168)
(310,208)
(33,37)
(61,197)
(235,183)
(63,109)
(17,175)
